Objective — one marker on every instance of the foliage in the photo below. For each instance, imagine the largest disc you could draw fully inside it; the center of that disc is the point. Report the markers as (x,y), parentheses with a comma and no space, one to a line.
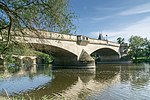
(147,48)
(139,47)
(120,40)
(16,15)
(13,69)
(46,59)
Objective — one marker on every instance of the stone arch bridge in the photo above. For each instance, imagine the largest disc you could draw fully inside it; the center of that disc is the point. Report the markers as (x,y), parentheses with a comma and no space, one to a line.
(72,50)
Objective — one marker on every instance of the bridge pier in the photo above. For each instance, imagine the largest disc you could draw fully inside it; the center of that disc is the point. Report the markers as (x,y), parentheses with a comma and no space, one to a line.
(73,63)
(59,63)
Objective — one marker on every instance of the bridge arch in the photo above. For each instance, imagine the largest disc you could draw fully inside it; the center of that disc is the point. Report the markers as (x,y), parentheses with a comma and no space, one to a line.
(70,46)
(62,57)
(106,54)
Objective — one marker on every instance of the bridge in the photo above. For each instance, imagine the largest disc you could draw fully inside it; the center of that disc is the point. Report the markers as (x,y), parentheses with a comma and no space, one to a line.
(73,50)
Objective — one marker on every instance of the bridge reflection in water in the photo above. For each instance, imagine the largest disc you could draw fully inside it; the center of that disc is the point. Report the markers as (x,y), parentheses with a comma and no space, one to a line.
(105,82)
(75,83)
(58,84)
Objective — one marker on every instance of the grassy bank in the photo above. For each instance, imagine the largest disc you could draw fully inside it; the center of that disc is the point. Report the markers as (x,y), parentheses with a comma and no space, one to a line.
(141,59)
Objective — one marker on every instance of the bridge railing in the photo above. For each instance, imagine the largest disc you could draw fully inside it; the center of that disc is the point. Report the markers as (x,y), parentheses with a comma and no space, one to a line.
(50,35)
(65,37)
(103,42)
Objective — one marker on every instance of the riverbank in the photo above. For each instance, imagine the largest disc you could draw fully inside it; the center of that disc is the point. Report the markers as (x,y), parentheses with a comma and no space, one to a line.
(141,60)
(115,62)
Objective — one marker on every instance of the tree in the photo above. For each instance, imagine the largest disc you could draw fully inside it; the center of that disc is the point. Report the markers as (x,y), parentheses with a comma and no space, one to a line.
(147,47)
(136,44)
(17,15)
(120,40)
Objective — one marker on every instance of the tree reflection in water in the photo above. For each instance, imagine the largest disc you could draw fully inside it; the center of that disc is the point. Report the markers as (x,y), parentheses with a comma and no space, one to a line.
(105,82)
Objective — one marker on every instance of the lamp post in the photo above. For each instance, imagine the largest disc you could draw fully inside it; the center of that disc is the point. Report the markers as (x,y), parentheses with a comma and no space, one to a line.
(106,39)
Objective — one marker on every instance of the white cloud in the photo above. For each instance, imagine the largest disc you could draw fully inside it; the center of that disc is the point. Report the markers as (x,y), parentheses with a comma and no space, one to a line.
(106,8)
(97,19)
(140,28)
(144,8)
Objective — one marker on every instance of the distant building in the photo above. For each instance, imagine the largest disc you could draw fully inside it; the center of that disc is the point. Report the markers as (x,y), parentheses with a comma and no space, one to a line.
(100,37)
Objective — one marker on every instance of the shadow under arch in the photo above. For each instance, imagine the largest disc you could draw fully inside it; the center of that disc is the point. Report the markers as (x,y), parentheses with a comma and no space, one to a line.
(62,57)
(105,54)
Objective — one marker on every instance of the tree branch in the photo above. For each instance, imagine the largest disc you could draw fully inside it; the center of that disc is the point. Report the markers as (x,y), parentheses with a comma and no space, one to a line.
(8,12)
(4,27)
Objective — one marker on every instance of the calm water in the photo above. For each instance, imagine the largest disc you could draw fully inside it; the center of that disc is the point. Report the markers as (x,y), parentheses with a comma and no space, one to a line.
(106,82)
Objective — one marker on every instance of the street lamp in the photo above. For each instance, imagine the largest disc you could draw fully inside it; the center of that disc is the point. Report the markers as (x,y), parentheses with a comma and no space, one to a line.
(106,37)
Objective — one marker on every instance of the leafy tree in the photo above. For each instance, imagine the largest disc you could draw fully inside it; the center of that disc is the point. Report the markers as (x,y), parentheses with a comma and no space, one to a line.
(136,46)
(120,40)
(147,47)
(17,15)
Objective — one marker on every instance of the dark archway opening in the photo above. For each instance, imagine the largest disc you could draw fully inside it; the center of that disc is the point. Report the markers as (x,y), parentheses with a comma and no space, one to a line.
(105,55)
(61,57)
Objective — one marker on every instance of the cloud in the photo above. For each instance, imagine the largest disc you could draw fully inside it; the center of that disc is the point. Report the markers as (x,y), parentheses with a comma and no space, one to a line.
(139,28)
(144,8)
(106,8)
(97,19)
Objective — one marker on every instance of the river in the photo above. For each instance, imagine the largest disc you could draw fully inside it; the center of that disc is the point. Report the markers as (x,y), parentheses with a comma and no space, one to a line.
(106,82)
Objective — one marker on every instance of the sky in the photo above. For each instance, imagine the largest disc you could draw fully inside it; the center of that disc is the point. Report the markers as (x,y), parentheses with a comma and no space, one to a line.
(114,18)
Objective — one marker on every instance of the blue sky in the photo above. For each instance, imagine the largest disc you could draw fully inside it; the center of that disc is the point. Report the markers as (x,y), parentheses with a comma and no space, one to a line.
(115,18)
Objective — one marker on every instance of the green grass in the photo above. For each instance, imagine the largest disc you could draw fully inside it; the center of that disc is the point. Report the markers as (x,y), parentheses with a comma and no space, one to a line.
(141,59)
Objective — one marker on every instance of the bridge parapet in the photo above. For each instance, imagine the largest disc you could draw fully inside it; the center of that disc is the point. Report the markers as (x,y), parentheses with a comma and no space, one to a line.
(103,42)
(66,37)
(50,35)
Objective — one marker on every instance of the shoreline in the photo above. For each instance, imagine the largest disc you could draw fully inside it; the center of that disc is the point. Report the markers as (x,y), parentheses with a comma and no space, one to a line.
(115,62)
